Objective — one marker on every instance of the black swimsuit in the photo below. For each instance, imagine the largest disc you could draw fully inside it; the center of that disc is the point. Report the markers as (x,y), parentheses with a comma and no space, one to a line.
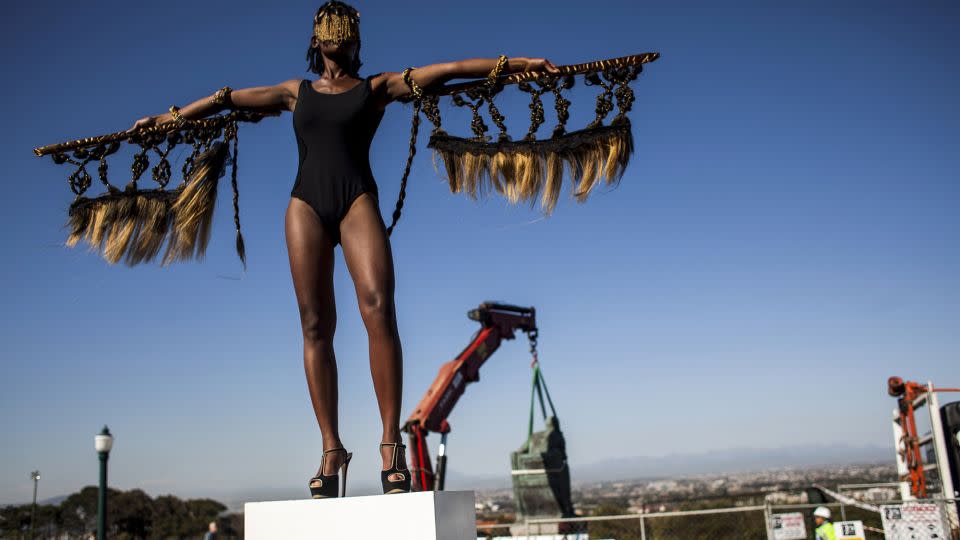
(334,132)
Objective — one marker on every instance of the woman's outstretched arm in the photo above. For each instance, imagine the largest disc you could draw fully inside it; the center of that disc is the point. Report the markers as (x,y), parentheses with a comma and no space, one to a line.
(263,99)
(471,68)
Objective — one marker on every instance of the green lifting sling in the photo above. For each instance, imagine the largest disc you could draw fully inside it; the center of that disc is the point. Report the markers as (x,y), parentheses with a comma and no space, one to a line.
(541,478)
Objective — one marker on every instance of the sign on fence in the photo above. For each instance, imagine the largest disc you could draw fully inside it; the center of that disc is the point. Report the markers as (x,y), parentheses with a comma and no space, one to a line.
(849,530)
(912,521)
(789,526)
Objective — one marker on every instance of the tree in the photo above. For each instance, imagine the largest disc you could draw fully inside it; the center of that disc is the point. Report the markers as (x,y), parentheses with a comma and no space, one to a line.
(201,512)
(78,512)
(169,515)
(133,515)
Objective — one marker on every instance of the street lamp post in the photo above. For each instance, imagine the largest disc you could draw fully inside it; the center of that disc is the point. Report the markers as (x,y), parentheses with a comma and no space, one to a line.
(103,443)
(35,476)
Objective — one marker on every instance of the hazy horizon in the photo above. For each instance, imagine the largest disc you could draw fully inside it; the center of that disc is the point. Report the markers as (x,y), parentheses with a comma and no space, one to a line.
(734,461)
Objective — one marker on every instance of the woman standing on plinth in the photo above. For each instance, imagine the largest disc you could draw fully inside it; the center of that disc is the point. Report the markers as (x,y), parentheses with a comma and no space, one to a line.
(334,200)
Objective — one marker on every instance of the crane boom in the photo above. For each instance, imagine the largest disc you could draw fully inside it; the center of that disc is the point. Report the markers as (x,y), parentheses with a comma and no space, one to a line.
(498,321)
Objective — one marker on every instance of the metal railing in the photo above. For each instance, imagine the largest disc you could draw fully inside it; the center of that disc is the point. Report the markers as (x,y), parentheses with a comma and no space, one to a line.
(937,518)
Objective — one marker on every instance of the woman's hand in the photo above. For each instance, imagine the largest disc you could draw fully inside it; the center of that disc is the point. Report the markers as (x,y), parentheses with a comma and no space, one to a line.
(150,121)
(541,64)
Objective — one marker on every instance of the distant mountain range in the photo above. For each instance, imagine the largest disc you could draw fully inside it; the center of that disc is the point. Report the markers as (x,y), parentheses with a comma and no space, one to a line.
(51,500)
(54,500)
(737,460)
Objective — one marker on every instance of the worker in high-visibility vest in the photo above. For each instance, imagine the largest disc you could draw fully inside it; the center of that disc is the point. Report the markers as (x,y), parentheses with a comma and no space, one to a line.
(821,516)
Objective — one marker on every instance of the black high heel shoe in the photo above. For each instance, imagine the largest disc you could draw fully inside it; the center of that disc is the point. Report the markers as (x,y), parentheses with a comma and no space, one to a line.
(327,485)
(403,484)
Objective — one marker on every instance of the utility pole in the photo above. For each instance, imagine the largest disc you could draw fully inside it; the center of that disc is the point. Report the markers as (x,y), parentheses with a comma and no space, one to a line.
(35,476)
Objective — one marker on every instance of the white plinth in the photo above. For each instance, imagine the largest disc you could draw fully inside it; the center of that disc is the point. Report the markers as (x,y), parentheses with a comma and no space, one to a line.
(426,515)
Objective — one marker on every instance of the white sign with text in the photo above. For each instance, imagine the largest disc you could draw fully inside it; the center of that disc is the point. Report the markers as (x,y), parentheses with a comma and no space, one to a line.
(849,530)
(788,526)
(912,521)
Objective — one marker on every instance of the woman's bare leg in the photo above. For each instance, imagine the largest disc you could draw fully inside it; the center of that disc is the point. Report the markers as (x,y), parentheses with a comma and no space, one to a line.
(310,249)
(366,249)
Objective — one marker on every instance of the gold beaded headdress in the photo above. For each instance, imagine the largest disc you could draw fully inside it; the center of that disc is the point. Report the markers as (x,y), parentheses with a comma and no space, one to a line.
(337,22)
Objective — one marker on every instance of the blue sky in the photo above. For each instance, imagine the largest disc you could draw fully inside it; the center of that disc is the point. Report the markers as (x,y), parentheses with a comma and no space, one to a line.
(784,240)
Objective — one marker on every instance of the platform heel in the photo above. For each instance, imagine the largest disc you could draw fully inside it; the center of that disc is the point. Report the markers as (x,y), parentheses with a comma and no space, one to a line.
(327,486)
(403,484)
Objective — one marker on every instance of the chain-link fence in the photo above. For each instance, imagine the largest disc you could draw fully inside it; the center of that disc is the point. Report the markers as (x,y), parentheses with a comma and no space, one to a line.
(893,520)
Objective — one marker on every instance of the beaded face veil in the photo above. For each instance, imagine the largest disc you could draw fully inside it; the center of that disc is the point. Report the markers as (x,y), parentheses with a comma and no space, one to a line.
(336,22)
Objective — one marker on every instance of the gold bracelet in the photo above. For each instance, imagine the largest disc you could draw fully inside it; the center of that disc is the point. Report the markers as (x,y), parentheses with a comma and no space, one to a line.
(222,95)
(175,113)
(414,87)
(495,72)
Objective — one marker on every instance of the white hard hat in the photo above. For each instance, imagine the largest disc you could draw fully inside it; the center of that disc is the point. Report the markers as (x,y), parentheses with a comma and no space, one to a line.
(822,511)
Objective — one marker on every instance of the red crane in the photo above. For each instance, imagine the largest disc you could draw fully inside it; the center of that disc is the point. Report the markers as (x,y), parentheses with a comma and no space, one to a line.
(910,443)
(497,322)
